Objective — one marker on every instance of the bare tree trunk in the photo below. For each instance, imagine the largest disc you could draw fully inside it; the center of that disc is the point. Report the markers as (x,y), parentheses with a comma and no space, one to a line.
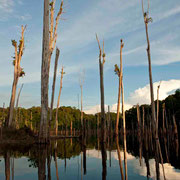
(82,128)
(58,102)
(143,120)
(53,87)
(119,91)
(17,102)
(157,119)
(101,68)
(124,132)
(44,75)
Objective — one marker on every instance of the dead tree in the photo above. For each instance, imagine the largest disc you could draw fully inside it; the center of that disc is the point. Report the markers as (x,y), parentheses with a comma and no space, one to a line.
(17,102)
(148,19)
(44,75)
(49,43)
(124,132)
(157,118)
(119,73)
(81,82)
(101,71)
(58,102)
(18,72)
(53,87)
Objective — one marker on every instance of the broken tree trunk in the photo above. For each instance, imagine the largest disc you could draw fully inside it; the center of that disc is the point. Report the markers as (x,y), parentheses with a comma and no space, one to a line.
(18,72)
(58,102)
(101,69)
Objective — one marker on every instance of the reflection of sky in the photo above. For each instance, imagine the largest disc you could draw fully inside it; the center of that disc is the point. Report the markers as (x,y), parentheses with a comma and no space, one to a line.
(94,168)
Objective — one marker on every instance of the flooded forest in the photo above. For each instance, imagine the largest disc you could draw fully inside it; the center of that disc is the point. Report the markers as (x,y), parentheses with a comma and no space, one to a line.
(54,141)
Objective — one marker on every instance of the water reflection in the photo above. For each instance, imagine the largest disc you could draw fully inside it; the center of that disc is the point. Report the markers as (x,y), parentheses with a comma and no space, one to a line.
(86,159)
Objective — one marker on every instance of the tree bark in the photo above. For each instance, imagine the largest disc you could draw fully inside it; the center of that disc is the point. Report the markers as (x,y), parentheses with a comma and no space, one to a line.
(101,73)
(53,88)
(58,102)
(17,102)
(44,75)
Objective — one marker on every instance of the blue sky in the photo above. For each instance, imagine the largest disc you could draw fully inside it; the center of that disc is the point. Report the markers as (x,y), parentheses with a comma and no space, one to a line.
(112,20)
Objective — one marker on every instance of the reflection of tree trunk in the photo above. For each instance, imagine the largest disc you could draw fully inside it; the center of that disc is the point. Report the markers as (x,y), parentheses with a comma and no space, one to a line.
(65,154)
(104,158)
(7,165)
(119,157)
(12,167)
(42,162)
(124,131)
(49,161)
(55,159)
(84,154)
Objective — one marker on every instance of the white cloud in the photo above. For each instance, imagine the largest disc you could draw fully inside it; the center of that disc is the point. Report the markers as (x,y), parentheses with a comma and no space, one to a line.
(113,108)
(6,5)
(142,95)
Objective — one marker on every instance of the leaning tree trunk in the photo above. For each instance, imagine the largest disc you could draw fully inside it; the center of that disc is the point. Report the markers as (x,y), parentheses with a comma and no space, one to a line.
(58,102)
(53,88)
(44,75)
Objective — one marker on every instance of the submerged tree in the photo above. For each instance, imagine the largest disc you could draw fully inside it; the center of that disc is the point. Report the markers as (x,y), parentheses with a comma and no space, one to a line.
(101,71)
(18,72)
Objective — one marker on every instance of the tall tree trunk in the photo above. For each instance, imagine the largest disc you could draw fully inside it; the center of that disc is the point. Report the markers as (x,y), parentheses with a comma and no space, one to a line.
(44,75)
(53,87)
(58,102)
(18,72)
(119,90)
(82,128)
(101,73)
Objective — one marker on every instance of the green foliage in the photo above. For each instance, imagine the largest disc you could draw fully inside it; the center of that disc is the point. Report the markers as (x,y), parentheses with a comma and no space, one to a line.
(116,70)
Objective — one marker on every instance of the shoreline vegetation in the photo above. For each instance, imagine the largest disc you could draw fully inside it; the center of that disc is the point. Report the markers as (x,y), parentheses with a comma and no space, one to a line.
(69,120)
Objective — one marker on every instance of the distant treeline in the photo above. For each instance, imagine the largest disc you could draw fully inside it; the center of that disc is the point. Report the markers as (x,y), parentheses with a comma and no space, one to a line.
(31,117)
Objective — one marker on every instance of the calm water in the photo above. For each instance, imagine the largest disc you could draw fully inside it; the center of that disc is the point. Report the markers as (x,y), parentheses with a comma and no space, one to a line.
(70,159)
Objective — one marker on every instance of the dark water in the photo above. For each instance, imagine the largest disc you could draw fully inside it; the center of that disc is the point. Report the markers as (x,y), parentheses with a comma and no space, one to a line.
(71,159)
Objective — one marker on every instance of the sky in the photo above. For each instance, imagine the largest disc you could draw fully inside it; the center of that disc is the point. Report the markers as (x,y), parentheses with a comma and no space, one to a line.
(112,20)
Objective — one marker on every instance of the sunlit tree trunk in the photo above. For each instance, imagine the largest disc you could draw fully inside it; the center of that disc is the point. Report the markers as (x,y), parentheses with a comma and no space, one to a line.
(58,102)
(53,87)
(18,72)
(17,102)
(44,75)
